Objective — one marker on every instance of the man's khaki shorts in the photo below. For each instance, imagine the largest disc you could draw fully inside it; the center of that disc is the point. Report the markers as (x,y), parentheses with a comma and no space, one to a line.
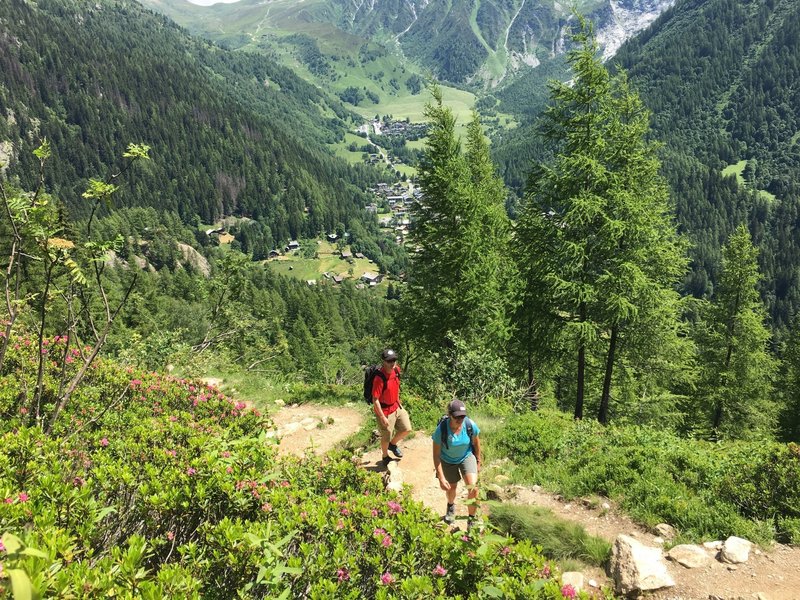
(398,421)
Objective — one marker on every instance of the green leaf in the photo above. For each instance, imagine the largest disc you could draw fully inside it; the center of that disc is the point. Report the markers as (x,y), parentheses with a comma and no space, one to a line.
(12,543)
(492,591)
(33,552)
(262,572)
(44,151)
(137,151)
(20,585)
(99,190)
(103,513)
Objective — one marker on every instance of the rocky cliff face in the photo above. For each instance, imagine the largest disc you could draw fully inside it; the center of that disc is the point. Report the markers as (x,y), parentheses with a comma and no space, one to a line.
(622,19)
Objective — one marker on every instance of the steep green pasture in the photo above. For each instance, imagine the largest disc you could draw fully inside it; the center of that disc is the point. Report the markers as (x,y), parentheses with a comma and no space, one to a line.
(738,170)
(296,266)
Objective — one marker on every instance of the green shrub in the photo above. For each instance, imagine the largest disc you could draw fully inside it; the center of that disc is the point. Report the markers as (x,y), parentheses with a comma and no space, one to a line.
(534,435)
(705,490)
(157,487)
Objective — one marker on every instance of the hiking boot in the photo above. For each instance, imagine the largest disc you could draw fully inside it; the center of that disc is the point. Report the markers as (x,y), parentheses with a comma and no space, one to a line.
(450,515)
(386,460)
(395,450)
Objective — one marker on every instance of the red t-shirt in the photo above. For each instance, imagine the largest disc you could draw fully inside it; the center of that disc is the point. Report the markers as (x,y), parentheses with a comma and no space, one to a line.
(389,394)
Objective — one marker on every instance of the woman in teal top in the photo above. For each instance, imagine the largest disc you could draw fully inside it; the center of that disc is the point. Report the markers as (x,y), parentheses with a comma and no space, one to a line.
(457,454)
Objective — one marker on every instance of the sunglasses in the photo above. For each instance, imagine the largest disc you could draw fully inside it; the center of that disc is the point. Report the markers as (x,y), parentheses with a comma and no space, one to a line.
(461,418)
(390,359)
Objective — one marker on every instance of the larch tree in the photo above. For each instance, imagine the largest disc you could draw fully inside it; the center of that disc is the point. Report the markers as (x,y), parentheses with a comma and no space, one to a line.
(737,369)
(460,268)
(598,248)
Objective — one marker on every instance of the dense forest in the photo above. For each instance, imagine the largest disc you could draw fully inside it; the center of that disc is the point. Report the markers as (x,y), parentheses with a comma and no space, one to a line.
(231,134)
(718,78)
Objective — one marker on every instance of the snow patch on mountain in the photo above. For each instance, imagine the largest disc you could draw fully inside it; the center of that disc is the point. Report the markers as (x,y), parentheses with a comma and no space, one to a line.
(626,18)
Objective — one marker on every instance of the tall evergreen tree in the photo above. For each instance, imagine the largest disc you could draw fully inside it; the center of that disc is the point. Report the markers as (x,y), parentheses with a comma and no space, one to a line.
(738,370)
(598,248)
(460,268)
(790,386)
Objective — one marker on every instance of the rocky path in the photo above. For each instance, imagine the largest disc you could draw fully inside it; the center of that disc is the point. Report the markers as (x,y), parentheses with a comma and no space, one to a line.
(769,574)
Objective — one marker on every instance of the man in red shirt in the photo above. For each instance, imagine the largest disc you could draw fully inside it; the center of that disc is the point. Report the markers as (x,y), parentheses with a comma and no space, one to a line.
(391,415)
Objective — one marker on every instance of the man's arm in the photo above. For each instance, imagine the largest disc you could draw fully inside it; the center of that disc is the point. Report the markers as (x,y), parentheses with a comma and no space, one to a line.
(376,408)
(377,390)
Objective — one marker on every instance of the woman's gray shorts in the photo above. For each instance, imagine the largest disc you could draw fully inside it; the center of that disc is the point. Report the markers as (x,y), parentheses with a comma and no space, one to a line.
(453,473)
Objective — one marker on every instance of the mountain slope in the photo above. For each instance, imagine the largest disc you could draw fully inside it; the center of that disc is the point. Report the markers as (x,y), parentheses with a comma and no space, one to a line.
(230,133)
(721,78)
(460,41)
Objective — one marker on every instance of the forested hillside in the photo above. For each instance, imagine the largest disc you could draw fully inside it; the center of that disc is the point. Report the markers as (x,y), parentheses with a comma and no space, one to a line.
(719,77)
(230,133)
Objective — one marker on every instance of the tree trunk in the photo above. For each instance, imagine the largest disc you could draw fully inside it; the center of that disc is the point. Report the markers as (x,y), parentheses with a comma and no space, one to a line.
(602,415)
(581,368)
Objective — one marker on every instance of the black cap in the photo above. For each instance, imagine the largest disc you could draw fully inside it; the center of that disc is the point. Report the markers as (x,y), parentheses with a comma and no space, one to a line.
(457,409)
(389,355)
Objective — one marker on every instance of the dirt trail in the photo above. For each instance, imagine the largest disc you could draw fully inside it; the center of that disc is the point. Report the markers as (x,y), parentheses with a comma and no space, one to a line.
(774,573)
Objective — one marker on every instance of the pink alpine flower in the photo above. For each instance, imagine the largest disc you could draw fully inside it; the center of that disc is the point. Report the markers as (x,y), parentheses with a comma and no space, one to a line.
(191,471)
(387,541)
(170,536)
(343,574)
(2,546)
(546,571)
(104,442)
(568,591)
(439,571)
(23,497)
(379,531)
(394,507)
(387,579)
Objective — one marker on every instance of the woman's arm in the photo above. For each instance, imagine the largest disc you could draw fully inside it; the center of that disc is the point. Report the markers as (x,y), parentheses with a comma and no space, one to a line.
(437,465)
(476,449)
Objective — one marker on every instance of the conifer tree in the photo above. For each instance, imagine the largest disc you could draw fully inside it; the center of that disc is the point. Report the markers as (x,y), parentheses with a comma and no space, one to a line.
(738,370)
(460,268)
(597,245)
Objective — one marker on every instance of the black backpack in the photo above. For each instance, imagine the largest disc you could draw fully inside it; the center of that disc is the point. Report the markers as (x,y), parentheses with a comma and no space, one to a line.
(369,377)
(443,426)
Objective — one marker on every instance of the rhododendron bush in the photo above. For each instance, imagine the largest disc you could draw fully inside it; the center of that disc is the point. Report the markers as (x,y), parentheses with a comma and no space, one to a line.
(156,487)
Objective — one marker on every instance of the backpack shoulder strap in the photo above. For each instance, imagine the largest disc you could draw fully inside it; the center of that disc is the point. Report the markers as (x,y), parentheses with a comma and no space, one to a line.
(470,429)
(443,423)
(379,372)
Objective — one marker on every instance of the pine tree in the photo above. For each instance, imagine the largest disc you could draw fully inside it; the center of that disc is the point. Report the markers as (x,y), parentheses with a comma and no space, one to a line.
(599,251)
(460,276)
(738,370)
